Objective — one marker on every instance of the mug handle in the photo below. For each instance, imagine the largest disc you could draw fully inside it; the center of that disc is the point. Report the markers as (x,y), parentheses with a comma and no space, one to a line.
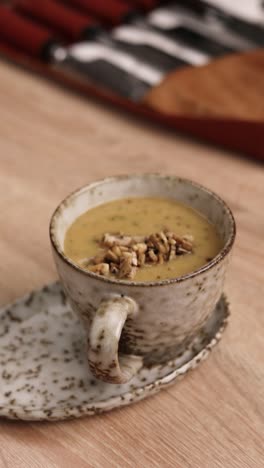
(105,331)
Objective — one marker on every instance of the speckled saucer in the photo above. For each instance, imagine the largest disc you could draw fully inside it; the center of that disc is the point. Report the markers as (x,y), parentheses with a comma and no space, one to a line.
(44,373)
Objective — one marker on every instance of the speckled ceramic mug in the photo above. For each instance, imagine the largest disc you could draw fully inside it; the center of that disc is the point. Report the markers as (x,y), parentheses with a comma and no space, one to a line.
(128,322)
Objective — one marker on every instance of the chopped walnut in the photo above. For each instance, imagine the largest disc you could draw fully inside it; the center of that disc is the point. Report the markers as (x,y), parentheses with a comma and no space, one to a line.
(152,256)
(188,237)
(141,259)
(100,269)
(186,245)
(111,256)
(121,255)
(160,258)
(125,268)
(172,254)
(111,240)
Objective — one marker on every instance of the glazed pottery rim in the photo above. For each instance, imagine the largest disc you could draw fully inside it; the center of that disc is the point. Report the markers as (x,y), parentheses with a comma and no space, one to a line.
(218,258)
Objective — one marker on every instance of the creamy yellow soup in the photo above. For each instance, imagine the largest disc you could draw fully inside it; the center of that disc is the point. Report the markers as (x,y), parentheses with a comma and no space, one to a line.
(144,216)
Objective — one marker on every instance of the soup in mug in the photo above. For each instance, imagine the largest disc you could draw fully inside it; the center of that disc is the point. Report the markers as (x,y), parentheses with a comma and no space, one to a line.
(144,239)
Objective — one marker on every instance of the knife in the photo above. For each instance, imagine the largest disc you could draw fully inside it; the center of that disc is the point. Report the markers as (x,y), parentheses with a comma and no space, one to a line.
(196,41)
(141,40)
(104,66)
(247,29)
(173,19)
(71,24)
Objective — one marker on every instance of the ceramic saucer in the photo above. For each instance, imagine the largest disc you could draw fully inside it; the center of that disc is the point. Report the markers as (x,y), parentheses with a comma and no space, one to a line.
(44,373)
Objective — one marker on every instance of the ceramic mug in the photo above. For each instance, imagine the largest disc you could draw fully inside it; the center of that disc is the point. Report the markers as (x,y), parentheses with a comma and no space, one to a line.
(129,321)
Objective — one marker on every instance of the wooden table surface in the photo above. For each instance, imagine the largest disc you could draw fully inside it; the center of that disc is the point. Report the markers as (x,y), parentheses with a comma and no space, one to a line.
(52,142)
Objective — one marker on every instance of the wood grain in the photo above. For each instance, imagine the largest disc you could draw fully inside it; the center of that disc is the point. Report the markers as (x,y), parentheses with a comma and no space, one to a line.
(229,87)
(52,142)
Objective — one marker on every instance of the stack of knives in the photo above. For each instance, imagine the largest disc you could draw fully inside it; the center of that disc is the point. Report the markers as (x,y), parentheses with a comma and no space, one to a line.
(125,46)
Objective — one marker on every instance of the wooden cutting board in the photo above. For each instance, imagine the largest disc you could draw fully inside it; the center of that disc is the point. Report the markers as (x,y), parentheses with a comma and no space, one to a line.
(230,87)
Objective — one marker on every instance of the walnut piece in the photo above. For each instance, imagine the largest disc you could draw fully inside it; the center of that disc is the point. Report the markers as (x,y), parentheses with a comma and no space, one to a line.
(100,269)
(121,256)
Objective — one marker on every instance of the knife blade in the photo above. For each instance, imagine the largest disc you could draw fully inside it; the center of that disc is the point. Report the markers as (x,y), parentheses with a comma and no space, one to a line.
(72,24)
(204,34)
(250,30)
(251,10)
(140,39)
(183,35)
(122,73)
(173,17)
(99,63)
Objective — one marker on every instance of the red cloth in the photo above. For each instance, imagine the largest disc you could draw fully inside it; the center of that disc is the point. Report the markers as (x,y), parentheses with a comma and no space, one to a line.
(22,33)
(110,12)
(144,5)
(65,20)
